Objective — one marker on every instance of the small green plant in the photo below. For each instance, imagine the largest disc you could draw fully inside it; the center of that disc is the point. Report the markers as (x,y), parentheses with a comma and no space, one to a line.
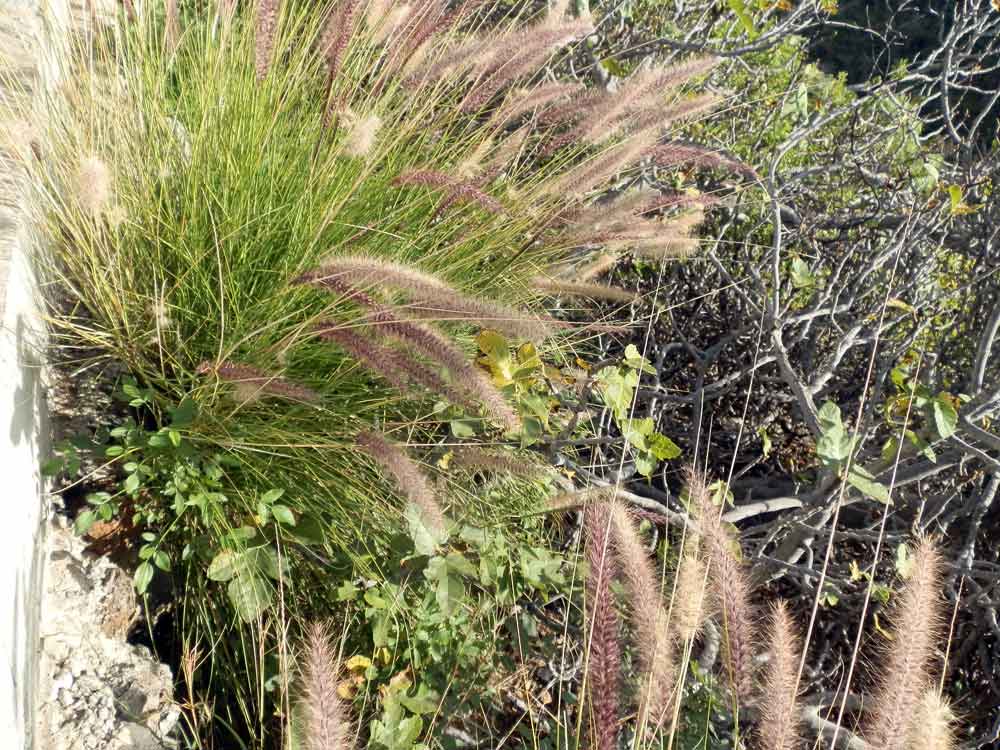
(618,386)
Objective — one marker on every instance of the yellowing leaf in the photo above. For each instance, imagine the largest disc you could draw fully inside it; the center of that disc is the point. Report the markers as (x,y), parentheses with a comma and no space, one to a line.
(346,689)
(900,305)
(358,663)
(885,633)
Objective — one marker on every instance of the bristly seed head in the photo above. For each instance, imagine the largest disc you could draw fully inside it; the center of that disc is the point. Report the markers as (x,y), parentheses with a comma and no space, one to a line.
(250,383)
(407,475)
(93,185)
(603,676)
(267,27)
(326,725)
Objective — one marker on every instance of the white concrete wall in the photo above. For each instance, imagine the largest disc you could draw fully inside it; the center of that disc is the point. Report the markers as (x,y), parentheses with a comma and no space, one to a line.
(26,67)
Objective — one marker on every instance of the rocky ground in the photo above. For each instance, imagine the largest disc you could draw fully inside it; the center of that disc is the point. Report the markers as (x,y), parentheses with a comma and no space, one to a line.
(97,691)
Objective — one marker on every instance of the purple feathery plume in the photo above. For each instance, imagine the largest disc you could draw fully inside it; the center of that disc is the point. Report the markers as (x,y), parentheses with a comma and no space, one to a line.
(172,27)
(337,31)
(431,295)
(603,677)
(453,187)
(518,54)
(251,383)
(407,475)
(538,98)
(675,153)
(267,26)
(435,347)
(401,370)
(730,589)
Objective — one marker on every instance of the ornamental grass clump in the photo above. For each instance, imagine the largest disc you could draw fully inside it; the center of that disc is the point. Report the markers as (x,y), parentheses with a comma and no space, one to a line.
(287,221)
(278,153)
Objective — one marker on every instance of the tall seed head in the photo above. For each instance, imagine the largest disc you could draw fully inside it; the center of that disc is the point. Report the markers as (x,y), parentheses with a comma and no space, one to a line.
(906,662)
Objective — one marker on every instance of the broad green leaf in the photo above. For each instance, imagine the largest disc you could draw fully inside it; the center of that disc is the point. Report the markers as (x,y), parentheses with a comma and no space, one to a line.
(84,521)
(945,416)
(425,539)
(473,535)
(308,531)
(834,444)
(921,445)
(614,67)
(636,430)
(532,431)
(271,496)
(131,484)
(829,416)
(801,276)
(162,560)
(765,440)
(460,564)
(904,563)
(899,376)
(955,194)
(900,305)
(250,595)
(225,565)
(347,592)
(449,589)
(184,413)
(617,390)
(52,466)
(143,577)
(265,560)
(662,447)
(497,356)
(645,464)
(463,428)
(864,482)
(423,701)
(742,14)
(283,515)
(636,361)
